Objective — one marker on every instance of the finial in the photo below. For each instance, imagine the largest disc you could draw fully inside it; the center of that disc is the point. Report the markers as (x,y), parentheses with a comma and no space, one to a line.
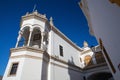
(85,44)
(27,13)
(35,12)
(44,15)
(51,21)
(34,8)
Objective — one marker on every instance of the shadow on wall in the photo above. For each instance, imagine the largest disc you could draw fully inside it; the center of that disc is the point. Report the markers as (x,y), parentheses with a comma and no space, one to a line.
(45,63)
(74,71)
(101,76)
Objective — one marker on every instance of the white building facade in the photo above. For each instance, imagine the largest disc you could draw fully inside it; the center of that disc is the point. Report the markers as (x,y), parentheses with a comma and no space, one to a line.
(42,52)
(103,18)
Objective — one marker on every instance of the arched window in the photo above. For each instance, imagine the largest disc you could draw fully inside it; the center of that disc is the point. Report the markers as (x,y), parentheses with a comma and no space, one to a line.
(24,37)
(36,38)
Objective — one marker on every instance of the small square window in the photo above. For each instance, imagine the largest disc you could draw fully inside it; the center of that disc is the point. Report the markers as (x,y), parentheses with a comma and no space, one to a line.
(14,69)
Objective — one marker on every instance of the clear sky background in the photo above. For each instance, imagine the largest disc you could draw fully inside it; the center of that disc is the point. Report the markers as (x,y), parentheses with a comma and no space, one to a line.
(67,16)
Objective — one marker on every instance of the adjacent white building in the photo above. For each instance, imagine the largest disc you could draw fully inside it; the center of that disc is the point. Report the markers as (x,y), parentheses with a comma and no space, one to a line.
(42,52)
(103,18)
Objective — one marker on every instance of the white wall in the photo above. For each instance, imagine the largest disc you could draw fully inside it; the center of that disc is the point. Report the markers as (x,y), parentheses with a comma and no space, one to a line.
(32,69)
(29,66)
(65,72)
(105,18)
(8,68)
(57,69)
(69,52)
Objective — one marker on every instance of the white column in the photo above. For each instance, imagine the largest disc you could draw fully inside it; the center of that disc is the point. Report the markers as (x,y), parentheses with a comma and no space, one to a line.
(42,36)
(18,39)
(31,30)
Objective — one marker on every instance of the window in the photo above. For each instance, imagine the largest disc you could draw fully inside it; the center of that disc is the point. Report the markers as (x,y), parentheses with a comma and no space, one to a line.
(36,37)
(14,69)
(80,60)
(99,57)
(61,50)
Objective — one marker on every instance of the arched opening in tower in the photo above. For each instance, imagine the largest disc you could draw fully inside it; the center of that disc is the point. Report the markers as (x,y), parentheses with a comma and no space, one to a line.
(24,37)
(36,38)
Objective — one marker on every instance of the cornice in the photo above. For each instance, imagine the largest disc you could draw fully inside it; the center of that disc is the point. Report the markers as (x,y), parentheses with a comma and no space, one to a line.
(95,66)
(26,56)
(86,51)
(34,15)
(25,48)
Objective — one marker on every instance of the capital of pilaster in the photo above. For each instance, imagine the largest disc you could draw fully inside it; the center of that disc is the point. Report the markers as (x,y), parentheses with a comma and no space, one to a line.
(43,33)
(31,29)
(20,32)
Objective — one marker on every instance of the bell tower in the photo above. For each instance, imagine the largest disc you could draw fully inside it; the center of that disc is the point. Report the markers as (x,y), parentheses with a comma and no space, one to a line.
(33,30)
(29,58)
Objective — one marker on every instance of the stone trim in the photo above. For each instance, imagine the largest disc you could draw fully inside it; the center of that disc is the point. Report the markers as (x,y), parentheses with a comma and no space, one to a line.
(25,48)
(26,56)
(95,66)
(86,51)
(34,15)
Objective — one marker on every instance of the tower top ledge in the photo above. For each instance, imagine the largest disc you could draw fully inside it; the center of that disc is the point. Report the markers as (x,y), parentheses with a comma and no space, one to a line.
(34,14)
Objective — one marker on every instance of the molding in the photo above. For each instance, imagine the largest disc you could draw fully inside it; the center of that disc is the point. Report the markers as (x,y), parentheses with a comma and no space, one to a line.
(25,48)
(34,15)
(95,66)
(86,51)
(26,56)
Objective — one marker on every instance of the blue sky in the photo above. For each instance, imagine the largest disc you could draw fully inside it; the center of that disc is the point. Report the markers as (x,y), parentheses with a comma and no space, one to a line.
(67,16)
